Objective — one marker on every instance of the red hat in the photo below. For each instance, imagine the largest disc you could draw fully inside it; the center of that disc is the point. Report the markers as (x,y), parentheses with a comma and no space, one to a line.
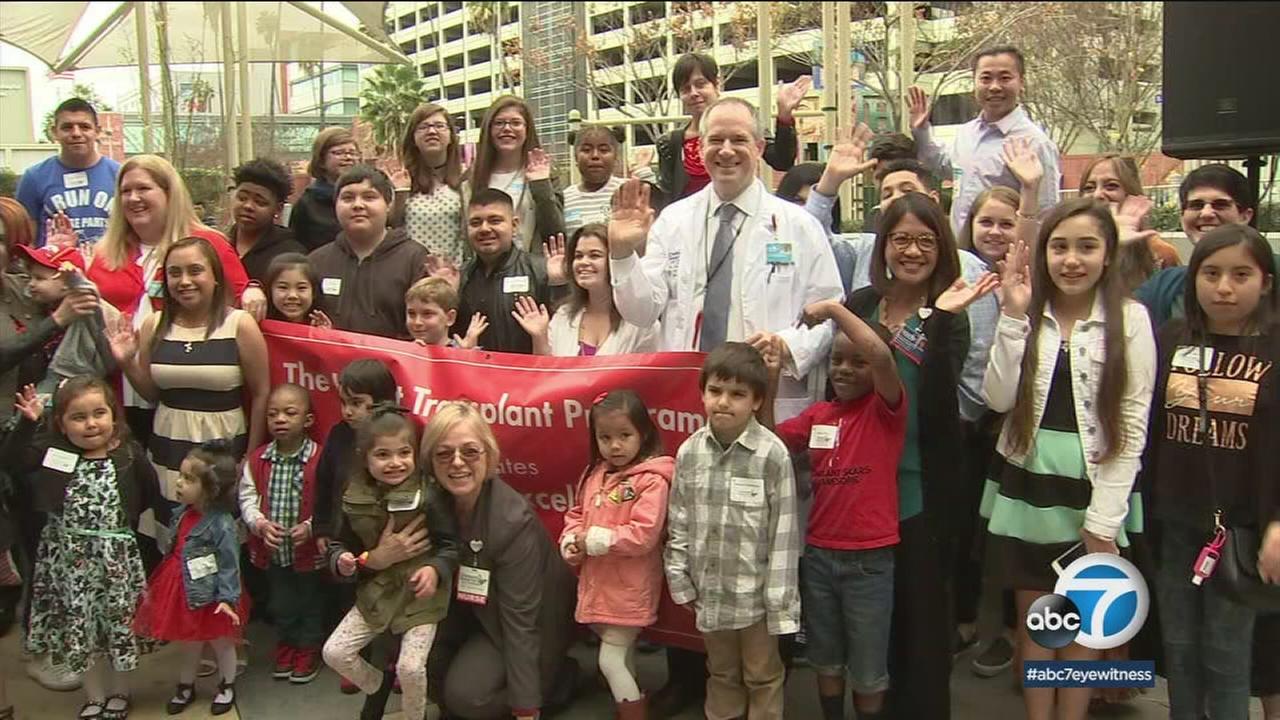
(52,257)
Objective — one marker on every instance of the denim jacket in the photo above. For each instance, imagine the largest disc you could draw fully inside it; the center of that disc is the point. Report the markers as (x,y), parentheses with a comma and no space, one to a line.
(214,535)
(1113,480)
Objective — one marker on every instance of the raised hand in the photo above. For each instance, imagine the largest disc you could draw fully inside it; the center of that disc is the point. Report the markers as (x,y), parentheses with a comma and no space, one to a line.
(848,158)
(59,233)
(917,107)
(254,302)
(553,249)
(28,405)
(1021,159)
(124,344)
(479,323)
(630,219)
(532,317)
(961,295)
(75,305)
(444,268)
(816,313)
(425,581)
(1015,280)
(225,609)
(790,95)
(320,320)
(538,165)
(1129,216)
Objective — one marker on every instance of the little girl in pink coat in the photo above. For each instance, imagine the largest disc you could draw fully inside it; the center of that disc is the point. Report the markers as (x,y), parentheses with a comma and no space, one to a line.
(614,533)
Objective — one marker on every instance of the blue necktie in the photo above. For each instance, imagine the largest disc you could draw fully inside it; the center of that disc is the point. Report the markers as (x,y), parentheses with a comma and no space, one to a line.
(719,292)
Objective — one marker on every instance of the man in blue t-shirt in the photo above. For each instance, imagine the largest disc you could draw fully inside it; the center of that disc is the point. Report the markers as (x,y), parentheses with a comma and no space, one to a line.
(79,182)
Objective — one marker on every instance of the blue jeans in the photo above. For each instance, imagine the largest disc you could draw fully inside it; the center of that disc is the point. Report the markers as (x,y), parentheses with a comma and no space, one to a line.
(1207,637)
(848,602)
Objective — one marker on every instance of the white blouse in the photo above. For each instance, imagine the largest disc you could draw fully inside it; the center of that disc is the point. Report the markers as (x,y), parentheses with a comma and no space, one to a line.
(628,338)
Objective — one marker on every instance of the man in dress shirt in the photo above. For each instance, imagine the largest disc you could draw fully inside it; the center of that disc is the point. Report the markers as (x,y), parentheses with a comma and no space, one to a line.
(973,159)
(730,262)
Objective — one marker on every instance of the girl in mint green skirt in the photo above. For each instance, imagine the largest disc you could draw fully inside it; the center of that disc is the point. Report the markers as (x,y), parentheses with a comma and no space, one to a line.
(1073,366)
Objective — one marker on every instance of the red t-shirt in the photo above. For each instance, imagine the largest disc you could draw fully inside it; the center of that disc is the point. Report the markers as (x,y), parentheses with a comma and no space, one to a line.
(855,483)
(124,286)
(694,170)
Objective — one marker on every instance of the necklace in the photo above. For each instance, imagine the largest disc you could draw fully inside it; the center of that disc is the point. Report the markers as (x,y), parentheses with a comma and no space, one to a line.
(897,319)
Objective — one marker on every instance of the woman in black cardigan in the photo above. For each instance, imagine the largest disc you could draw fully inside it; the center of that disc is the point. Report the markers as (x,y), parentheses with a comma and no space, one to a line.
(916,292)
(696,77)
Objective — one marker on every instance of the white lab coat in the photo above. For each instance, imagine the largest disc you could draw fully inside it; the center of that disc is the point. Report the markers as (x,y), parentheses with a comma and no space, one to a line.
(661,285)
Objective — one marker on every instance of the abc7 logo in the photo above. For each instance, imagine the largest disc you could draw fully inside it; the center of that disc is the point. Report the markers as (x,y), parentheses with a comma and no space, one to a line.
(1100,602)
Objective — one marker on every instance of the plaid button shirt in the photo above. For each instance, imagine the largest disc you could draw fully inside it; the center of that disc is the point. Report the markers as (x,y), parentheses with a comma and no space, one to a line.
(284,493)
(736,558)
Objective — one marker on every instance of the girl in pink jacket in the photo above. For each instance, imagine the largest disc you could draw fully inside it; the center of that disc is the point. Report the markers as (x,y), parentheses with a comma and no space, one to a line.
(614,533)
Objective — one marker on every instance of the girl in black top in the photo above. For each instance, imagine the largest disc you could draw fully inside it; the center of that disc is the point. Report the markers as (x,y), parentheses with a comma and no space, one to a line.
(1223,353)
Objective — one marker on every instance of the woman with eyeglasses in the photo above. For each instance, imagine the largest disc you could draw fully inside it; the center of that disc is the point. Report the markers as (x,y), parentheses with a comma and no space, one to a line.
(509,158)
(917,294)
(314,220)
(431,211)
(502,650)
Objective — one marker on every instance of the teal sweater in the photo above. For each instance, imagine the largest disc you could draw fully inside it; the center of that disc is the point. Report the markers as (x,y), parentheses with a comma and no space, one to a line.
(1164,293)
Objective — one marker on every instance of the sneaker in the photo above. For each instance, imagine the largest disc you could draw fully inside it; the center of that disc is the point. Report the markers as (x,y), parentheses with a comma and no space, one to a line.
(306,666)
(994,659)
(962,645)
(286,658)
(347,687)
(52,676)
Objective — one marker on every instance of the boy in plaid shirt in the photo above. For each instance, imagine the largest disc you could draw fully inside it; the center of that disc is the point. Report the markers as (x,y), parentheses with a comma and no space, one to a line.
(733,546)
(277,497)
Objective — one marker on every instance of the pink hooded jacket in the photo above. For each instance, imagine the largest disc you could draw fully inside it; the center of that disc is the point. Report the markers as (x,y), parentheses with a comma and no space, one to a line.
(623,585)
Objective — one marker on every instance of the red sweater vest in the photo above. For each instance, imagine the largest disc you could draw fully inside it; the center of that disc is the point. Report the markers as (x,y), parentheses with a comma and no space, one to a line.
(305,556)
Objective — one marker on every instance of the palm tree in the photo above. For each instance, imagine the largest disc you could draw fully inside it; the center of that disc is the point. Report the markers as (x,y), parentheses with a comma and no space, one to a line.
(390,94)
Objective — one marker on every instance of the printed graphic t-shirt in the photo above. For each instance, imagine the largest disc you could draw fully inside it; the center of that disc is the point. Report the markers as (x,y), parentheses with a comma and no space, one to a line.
(84,195)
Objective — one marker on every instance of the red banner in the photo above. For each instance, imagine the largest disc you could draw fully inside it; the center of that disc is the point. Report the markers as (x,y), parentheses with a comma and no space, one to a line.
(536,405)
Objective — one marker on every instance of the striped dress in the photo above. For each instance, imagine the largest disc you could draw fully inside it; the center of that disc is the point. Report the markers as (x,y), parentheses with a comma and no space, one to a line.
(1035,510)
(201,395)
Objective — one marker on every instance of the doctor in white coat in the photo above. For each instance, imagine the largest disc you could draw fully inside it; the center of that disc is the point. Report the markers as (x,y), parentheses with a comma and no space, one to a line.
(728,263)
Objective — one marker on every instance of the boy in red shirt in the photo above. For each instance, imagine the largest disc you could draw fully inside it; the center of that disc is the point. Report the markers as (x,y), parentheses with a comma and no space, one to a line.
(846,574)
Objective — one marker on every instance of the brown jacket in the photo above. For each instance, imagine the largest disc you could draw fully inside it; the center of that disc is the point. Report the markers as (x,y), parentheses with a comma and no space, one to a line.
(529,615)
(367,296)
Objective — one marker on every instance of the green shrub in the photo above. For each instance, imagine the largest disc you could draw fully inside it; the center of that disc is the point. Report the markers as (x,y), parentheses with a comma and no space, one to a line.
(8,183)
(1166,218)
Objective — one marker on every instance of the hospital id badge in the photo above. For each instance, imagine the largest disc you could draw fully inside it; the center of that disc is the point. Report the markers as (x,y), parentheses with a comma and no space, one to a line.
(202,566)
(778,253)
(473,585)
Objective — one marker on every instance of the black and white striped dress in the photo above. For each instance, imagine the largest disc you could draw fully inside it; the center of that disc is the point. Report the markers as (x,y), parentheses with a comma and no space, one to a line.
(201,395)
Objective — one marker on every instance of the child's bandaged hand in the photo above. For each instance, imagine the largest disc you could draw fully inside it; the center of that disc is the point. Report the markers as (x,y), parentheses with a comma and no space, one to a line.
(425,581)
(599,540)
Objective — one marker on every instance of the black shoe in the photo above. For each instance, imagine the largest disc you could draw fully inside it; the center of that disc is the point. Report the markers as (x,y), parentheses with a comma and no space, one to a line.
(222,708)
(995,659)
(182,698)
(376,704)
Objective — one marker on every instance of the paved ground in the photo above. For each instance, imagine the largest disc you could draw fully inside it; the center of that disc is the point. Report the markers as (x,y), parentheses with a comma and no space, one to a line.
(261,698)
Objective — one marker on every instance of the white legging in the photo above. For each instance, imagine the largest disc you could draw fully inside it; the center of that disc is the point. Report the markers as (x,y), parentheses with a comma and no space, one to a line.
(342,653)
(617,660)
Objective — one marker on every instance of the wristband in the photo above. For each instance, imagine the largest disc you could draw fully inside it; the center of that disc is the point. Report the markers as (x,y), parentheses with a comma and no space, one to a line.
(1029,218)
(253,284)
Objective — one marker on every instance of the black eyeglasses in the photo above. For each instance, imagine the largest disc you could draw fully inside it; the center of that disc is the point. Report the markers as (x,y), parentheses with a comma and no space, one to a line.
(902,241)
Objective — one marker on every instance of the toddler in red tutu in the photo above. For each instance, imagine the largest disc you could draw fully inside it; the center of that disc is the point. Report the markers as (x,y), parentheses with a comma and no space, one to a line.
(195,596)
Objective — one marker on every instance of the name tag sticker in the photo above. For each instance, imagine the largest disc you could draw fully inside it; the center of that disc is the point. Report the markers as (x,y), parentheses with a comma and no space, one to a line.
(473,585)
(822,437)
(778,253)
(202,566)
(75,179)
(1188,358)
(746,491)
(515,284)
(60,460)
(331,286)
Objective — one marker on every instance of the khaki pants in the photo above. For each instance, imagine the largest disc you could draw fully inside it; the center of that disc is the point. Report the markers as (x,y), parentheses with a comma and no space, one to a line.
(746,674)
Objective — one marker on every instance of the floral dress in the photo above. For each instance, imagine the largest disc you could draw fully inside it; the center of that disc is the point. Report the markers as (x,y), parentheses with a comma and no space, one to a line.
(88,577)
